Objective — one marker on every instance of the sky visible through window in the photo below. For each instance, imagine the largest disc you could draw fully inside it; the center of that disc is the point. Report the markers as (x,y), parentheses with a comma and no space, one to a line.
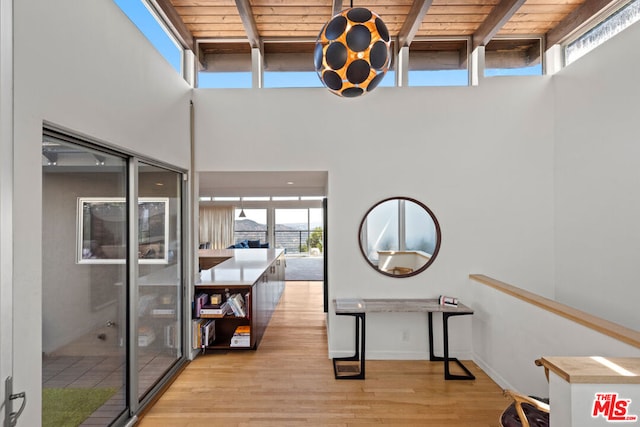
(142,17)
(147,23)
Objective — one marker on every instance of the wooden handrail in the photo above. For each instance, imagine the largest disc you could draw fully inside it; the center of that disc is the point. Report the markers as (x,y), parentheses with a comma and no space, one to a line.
(614,330)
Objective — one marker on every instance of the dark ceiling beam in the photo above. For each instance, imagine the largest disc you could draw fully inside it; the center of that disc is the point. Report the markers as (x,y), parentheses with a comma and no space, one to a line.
(576,19)
(336,8)
(249,23)
(179,28)
(411,25)
(534,53)
(499,16)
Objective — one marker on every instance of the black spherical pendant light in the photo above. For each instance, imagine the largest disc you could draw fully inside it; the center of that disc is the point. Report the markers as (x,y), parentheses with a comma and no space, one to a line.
(353,52)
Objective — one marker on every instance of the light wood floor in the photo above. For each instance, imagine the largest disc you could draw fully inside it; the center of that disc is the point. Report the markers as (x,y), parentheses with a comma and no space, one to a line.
(289,381)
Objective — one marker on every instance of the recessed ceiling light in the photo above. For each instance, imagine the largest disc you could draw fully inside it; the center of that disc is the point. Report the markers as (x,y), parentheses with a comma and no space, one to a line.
(289,182)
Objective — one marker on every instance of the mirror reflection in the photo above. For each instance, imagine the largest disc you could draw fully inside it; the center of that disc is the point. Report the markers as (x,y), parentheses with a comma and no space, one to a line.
(399,237)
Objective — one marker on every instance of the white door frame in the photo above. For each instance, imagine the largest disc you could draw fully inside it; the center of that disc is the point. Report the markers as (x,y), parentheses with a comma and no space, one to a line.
(6,196)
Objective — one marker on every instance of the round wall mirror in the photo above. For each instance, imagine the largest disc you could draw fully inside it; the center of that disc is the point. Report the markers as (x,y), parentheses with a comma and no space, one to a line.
(400,237)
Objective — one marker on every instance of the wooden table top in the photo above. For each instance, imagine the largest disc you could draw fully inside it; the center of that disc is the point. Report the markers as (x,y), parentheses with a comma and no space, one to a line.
(395,305)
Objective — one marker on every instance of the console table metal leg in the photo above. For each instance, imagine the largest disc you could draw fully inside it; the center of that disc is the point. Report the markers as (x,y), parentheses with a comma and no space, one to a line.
(342,372)
(446,359)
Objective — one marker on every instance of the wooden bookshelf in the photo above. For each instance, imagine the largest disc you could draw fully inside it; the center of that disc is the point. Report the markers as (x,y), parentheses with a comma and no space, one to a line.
(258,276)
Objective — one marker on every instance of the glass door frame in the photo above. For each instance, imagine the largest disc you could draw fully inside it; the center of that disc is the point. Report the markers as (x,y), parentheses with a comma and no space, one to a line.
(133,405)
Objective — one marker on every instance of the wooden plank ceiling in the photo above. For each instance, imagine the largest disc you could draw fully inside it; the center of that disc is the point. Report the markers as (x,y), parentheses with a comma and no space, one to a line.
(233,26)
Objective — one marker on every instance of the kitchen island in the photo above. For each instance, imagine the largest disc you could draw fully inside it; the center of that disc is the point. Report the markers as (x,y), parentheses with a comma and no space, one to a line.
(251,278)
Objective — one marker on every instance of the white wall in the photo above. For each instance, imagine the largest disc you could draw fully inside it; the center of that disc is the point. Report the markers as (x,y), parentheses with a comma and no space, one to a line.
(510,334)
(84,66)
(6,189)
(597,179)
(479,157)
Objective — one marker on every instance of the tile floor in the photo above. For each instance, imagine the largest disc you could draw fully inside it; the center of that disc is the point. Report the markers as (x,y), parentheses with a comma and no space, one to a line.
(101,372)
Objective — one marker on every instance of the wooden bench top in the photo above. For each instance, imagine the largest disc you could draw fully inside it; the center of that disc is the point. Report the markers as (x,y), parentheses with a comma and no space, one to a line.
(595,370)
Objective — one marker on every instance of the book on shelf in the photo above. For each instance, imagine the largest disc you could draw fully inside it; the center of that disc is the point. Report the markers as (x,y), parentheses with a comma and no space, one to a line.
(243,330)
(247,304)
(237,305)
(196,332)
(448,301)
(241,337)
(212,311)
(200,300)
(240,341)
(208,333)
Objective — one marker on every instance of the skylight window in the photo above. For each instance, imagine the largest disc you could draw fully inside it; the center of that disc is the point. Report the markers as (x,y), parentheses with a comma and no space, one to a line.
(150,25)
(613,25)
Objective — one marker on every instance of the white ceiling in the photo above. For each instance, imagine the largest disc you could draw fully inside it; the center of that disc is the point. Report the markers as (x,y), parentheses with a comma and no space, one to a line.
(265,183)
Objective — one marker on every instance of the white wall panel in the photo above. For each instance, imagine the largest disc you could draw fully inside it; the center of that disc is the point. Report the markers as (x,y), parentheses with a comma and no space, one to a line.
(597,179)
(479,157)
(510,334)
(81,65)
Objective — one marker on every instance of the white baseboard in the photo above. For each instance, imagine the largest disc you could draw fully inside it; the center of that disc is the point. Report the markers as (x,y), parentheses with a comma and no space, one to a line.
(497,378)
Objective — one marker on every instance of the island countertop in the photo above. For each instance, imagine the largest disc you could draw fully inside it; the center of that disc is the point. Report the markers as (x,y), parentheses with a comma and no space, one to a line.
(243,268)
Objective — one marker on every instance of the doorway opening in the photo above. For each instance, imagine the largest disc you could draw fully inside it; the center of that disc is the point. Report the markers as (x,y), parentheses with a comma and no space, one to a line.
(285,210)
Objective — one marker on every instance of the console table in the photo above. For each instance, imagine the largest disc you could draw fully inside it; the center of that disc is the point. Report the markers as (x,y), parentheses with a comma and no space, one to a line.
(360,307)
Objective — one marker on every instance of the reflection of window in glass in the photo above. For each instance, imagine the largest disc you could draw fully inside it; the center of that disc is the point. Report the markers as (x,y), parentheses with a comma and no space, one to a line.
(382,229)
(398,225)
(438,63)
(513,57)
(614,24)
(422,235)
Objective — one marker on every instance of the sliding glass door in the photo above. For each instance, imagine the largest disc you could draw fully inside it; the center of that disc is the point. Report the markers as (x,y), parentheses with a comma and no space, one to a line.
(112,281)
(84,284)
(159,274)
